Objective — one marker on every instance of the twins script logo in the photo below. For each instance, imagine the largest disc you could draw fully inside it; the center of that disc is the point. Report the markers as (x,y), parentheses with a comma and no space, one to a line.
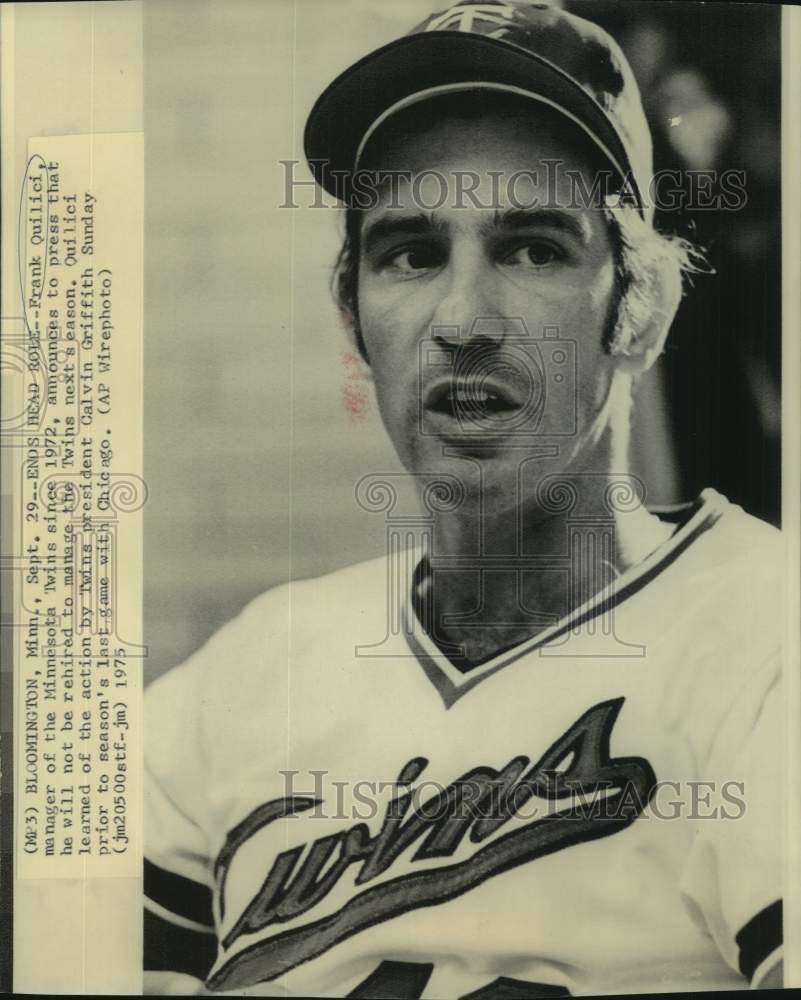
(576,777)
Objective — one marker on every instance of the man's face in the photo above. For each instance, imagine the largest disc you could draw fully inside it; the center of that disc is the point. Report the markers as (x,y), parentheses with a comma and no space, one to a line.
(454,302)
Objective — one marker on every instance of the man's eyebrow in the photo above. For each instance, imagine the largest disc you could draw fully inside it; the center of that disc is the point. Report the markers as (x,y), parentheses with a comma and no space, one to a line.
(535,218)
(391,225)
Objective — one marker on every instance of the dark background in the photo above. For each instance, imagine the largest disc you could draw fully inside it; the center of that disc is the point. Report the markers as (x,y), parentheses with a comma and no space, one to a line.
(717,65)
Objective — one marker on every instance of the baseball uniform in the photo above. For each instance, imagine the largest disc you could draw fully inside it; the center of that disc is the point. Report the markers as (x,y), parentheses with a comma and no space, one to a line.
(334,809)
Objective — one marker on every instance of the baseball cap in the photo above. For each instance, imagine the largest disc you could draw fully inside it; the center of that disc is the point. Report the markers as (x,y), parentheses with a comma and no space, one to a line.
(532,49)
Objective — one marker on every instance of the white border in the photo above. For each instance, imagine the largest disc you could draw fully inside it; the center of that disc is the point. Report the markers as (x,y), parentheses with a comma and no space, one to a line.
(791,479)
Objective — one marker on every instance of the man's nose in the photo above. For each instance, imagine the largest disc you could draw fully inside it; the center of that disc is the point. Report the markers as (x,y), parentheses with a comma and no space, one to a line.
(471,303)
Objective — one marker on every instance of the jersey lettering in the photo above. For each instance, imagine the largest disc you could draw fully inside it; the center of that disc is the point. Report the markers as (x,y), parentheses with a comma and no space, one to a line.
(408,980)
(576,776)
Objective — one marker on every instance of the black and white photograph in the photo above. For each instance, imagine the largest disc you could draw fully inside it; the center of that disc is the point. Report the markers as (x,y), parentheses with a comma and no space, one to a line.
(402,458)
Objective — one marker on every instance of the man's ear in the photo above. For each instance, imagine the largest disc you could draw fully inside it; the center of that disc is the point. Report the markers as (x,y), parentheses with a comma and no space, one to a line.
(350,325)
(646,314)
(362,348)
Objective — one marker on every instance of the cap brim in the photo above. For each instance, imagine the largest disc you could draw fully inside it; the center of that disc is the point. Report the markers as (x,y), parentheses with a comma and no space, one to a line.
(359,97)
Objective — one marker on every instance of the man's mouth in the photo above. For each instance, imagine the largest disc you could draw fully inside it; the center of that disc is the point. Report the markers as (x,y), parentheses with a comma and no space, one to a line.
(472,401)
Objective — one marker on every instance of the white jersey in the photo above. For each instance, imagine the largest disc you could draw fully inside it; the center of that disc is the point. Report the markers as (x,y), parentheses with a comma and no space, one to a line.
(335,810)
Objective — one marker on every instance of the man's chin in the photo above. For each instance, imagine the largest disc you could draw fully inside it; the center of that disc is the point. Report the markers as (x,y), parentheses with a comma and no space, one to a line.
(433,453)
(494,470)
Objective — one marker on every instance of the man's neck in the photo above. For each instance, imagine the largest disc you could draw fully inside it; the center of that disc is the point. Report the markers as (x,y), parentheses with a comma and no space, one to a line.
(500,576)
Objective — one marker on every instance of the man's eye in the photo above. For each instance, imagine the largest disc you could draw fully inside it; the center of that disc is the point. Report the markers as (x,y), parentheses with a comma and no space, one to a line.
(412,259)
(535,254)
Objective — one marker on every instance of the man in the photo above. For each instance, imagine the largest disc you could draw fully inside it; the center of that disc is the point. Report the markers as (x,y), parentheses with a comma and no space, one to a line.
(558,774)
